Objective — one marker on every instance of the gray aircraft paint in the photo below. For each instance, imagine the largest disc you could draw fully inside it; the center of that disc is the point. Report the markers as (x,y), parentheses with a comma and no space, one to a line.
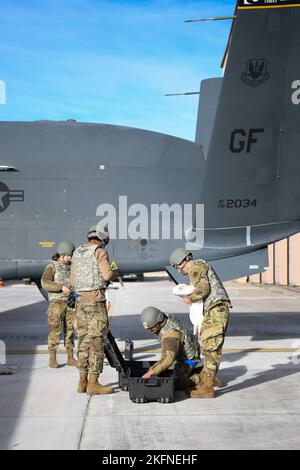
(251,187)
(260,161)
(65,169)
(231,268)
(207,109)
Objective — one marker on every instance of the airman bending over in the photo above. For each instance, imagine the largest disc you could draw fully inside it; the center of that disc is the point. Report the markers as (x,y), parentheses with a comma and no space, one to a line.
(177,346)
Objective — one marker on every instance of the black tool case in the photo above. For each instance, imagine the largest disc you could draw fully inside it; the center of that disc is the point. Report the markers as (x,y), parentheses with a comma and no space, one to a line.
(158,388)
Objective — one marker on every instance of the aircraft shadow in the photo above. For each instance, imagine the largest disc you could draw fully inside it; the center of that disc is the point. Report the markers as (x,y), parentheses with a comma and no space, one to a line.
(259,326)
(23,328)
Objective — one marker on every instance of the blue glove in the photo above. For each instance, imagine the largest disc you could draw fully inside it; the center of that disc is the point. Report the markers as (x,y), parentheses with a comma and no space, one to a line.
(190,362)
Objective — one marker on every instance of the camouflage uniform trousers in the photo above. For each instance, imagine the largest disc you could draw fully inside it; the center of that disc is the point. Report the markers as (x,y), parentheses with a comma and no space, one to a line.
(186,376)
(90,319)
(60,320)
(212,336)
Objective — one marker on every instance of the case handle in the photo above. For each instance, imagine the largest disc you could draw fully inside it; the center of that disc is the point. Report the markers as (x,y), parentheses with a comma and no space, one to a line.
(151,383)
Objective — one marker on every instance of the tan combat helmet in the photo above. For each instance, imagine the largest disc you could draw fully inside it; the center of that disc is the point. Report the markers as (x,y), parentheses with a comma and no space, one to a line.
(151,316)
(100,232)
(66,248)
(178,256)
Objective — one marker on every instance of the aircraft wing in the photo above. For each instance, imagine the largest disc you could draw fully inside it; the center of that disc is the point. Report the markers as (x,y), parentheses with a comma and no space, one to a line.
(232,267)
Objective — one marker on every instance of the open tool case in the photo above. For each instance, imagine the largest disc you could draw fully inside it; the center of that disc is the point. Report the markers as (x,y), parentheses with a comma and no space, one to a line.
(158,388)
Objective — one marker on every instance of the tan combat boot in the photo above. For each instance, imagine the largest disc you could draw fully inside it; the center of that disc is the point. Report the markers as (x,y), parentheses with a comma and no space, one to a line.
(94,388)
(217,381)
(52,361)
(83,381)
(71,361)
(206,388)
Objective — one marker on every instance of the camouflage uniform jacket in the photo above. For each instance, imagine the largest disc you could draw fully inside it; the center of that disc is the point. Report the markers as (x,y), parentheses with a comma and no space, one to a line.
(55,276)
(208,286)
(177,344)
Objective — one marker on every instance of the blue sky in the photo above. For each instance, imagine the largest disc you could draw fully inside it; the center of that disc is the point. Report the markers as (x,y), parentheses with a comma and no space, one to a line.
(109,61)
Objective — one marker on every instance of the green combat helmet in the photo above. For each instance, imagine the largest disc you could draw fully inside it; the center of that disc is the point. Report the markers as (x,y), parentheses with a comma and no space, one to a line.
(66,248)
(99,232)
(178,256)
(150,316)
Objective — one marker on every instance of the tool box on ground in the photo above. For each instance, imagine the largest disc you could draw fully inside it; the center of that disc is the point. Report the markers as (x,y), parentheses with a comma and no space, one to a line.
(159,388)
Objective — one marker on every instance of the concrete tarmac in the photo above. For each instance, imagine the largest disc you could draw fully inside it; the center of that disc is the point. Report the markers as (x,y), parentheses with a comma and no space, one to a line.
(258,408)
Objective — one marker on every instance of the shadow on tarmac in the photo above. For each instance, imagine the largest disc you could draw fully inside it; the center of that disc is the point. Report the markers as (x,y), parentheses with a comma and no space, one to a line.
(278,371)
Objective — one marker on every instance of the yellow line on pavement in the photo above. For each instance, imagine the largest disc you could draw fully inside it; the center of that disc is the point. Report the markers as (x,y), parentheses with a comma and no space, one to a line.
(262,350)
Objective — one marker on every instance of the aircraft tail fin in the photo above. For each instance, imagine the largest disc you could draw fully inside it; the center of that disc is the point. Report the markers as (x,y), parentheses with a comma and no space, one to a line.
(253,165)
(208,102)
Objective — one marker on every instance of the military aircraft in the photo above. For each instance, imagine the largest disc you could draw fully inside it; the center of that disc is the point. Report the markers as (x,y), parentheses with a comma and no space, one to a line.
(244,165)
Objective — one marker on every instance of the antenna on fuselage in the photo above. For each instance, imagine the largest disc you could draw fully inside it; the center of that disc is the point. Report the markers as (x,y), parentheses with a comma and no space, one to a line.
(217,18)
(184,94)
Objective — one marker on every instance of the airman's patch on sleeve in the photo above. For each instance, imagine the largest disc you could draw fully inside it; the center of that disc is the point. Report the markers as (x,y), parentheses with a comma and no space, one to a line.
(198,271)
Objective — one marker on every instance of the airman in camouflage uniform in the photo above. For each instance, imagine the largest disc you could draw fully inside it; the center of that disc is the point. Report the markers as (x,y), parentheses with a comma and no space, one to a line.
(56,280)
(210,289)
(91,274)
(178,347)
